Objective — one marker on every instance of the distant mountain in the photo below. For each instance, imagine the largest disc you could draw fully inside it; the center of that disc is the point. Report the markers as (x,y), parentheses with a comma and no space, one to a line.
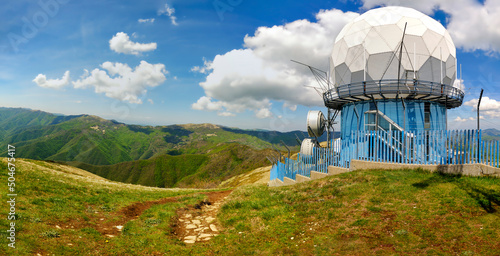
(491,134)
(187,170)
(93,140)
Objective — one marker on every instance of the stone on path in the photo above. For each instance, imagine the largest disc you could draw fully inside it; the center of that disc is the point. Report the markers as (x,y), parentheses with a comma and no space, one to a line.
(190,239)
(213,228)
(191,226)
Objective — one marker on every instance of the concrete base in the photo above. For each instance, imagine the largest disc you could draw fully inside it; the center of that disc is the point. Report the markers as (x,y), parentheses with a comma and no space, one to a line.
(287,181)
(275,183)
(318,175)
(300,178)
(333,170)
(459,169)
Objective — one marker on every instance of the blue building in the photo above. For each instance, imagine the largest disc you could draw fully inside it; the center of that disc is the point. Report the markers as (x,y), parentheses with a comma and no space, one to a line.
(392,79)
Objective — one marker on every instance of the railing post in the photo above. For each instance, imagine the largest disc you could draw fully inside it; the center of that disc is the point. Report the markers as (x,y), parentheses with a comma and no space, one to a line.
(479,142)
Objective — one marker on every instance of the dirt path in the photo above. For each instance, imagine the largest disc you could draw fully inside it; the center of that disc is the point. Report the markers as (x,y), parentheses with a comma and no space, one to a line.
(199,223)
(194,223)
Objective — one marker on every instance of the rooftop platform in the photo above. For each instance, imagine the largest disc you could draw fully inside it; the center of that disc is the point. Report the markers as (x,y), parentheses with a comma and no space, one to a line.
(410,89)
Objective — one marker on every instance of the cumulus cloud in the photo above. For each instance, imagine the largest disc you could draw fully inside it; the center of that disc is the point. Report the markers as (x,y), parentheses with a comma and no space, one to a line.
(472,24)
(206,103)
(261,72)
(168,11)
(119,81)
(42,81)
(489,107)
(151,101)
(121,43)
(152,20)
(263,113)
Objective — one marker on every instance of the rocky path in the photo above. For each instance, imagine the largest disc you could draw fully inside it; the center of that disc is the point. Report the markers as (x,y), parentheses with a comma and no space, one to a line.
(199,224)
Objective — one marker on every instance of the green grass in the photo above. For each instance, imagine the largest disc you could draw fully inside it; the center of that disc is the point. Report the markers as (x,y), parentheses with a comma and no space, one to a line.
(49,199)
(372,212)
(366,213)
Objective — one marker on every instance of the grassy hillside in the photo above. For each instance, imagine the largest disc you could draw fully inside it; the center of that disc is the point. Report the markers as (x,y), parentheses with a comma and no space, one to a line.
(187,170)
(366,213)
(96,141)
(62,211)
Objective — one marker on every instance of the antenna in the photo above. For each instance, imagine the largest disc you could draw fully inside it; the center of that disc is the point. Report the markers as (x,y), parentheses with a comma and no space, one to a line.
(286,148)
(414,60)
(461,77)
(320,75)
(364,61)
(479,137)
(329,72)
(478,104)
(298,140)
(441,64)
(401,56)
(270,160)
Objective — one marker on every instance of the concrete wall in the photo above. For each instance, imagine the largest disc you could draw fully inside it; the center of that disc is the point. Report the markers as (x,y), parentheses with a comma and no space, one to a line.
(461,169)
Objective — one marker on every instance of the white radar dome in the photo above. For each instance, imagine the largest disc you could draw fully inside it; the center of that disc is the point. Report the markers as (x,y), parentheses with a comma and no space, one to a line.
(368,48)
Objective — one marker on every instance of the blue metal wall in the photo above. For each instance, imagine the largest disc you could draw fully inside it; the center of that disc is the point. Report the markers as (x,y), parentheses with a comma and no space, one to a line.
(415,116)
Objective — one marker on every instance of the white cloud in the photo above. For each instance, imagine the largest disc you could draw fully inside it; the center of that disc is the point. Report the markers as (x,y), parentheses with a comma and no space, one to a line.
(41,80)
(119,81)
(151,101)
(121,43)
(462,120)
(226,114)
(472,25)
(168,11)
(250,78)
(206,103)
(152,20)
(263,113)
(205,69)
(489,107)
(292,107)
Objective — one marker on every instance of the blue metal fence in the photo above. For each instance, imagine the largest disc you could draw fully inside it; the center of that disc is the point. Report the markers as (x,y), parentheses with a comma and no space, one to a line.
(410,147)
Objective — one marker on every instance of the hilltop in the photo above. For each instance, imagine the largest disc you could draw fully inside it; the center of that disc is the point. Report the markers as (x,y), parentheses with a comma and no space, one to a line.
(189,155)
(64,211)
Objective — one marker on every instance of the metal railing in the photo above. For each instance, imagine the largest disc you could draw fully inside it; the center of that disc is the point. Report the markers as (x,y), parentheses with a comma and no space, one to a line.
(438,147)
(406,88)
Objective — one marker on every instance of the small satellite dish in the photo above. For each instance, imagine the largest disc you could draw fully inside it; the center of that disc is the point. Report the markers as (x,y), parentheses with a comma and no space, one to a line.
(306,148)
(316,123)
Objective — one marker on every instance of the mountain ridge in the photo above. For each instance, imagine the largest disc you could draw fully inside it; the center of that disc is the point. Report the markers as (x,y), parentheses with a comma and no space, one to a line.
(187,155)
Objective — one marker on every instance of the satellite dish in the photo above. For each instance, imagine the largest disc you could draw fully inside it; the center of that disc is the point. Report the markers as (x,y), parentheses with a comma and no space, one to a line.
(316,123)
(306,148)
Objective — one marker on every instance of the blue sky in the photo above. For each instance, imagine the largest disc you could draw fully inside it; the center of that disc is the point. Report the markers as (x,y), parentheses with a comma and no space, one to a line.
(174,62)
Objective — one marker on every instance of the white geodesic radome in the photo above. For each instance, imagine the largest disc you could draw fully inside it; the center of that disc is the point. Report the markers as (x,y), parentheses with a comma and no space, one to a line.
(368,48)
